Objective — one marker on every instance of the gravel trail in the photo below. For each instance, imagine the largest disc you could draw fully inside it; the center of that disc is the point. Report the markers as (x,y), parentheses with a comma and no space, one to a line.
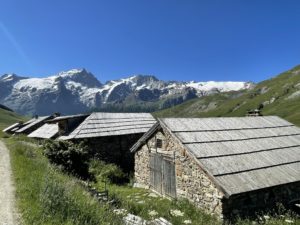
(8,212)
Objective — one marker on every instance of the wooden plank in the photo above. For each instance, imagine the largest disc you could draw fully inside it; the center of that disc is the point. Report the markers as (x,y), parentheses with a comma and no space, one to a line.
(112,133)
(258,179)
(217,136)
(99,115)
(118,124)
(112,121)
(113,129)
(213,149)
(251,161)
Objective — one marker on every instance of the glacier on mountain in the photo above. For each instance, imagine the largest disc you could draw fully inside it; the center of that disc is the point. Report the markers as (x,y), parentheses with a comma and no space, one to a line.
(78,90)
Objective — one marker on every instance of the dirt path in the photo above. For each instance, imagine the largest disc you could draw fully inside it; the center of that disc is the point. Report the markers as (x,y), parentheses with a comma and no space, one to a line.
(8,212)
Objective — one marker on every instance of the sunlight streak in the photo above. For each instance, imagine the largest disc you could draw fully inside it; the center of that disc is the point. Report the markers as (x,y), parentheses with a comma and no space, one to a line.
(15,44)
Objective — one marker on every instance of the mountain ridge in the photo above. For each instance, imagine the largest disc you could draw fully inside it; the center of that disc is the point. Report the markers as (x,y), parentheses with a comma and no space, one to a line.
(77,91)
(279,96)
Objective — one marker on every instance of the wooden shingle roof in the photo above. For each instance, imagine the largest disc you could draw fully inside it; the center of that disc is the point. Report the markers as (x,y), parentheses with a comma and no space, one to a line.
(112,124)
(241,154)
(46,131)
(59,118)
(31,123)
(12,127)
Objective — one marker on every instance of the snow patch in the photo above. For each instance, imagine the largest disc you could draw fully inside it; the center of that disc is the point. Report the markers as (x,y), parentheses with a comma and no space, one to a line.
(38,83)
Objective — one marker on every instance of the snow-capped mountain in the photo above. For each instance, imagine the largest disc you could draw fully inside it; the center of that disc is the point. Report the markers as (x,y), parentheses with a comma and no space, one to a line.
(78,91)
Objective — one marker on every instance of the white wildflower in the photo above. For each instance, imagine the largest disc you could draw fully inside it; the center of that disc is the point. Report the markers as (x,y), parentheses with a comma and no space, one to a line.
(176,212)
(187,221)
(266,217)
(152,213)
(120,211)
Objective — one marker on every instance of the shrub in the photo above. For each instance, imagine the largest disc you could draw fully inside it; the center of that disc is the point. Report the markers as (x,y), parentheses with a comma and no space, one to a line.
(107,172)
(70,157)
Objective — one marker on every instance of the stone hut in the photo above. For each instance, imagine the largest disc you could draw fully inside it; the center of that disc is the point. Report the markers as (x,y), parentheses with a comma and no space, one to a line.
(111,135)
(33,124)
(12,128)
(58,126)
(225,166)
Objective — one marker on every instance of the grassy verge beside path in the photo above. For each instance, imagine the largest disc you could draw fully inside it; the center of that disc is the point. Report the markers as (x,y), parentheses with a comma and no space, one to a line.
(46,196)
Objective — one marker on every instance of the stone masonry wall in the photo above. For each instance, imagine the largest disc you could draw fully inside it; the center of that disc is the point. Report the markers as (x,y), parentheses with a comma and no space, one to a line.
(191,181)
(247,204)
(114,149)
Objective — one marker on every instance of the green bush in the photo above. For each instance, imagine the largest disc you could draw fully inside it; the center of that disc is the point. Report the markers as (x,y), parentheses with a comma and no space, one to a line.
(70,157)
(107,172)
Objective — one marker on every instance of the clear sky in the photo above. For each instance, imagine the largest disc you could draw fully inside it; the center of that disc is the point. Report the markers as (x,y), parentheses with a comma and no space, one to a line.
(172,39)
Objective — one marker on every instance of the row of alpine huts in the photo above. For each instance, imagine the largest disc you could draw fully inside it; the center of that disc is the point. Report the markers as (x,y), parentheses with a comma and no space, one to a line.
(225,166)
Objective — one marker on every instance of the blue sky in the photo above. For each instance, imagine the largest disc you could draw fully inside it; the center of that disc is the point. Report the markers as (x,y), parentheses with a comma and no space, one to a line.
(172,39)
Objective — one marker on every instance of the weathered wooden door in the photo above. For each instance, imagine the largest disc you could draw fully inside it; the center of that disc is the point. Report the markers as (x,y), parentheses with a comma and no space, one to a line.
(169,181)
(156,172)
(162,175)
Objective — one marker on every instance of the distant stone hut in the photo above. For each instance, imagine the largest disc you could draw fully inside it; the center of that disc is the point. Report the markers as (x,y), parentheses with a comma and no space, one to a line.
(111,135)
(67,124)
(58,126)
(32,124)
(12,128)
(224,166)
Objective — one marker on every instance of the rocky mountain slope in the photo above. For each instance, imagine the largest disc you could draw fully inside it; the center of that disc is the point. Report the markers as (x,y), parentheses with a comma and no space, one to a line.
(277,96)
(78,91)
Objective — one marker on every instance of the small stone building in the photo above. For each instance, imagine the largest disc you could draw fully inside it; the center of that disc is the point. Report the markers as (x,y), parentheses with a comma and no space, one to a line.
(224,166)
(58,126)
(33,124)
(12,128)
(111,135)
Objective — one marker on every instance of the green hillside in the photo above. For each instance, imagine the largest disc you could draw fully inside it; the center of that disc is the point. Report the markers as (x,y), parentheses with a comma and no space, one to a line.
(277,96)
(7,118)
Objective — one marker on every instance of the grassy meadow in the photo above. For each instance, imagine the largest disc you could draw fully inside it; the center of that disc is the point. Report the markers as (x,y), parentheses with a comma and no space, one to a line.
(8,118)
